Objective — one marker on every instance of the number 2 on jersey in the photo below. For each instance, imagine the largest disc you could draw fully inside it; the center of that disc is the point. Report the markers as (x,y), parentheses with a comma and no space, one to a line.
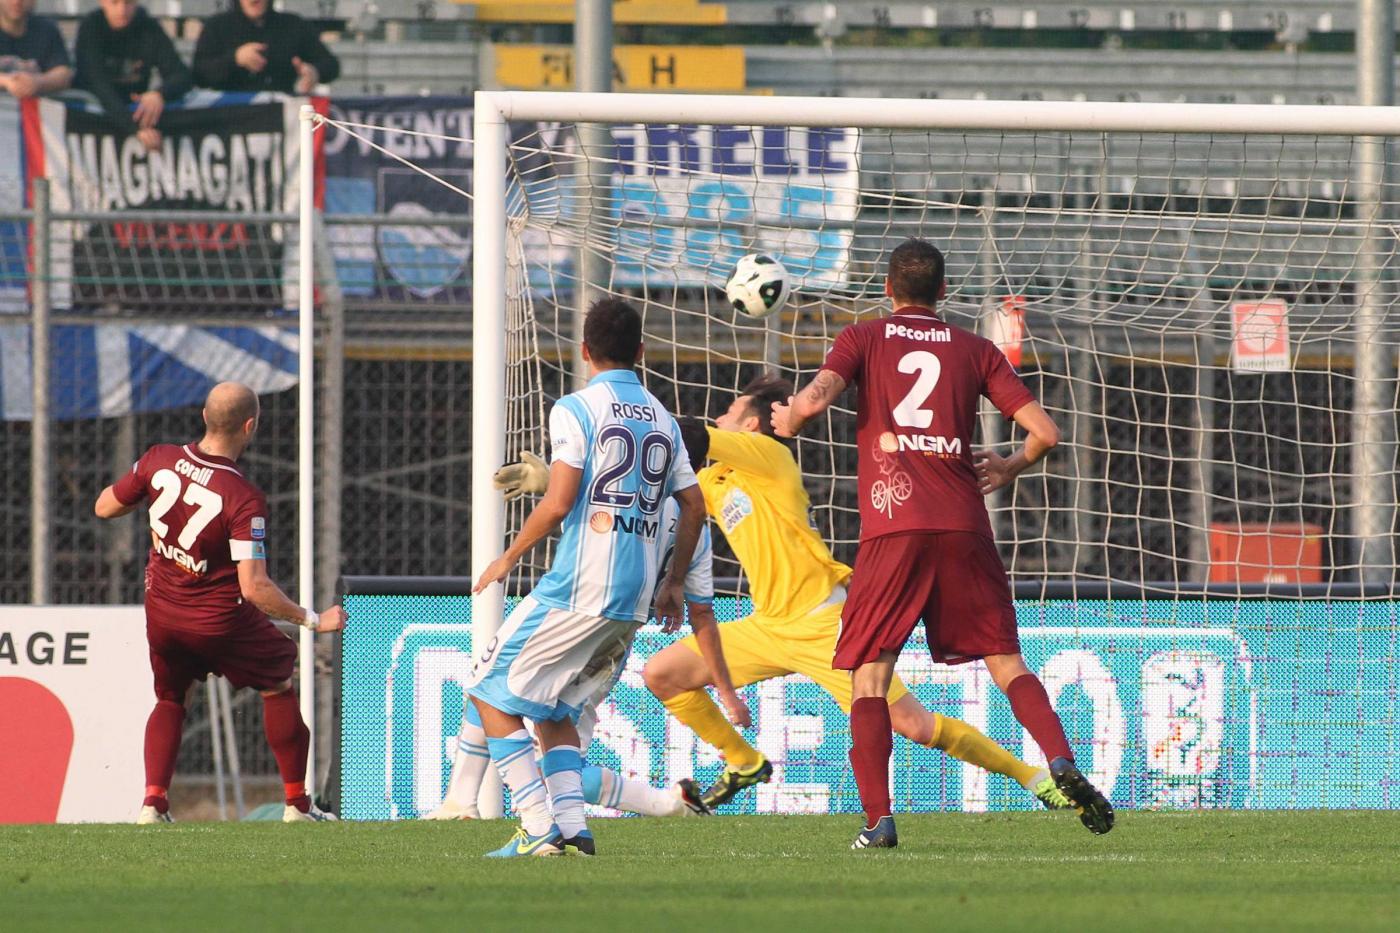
(207,505)
(910,413)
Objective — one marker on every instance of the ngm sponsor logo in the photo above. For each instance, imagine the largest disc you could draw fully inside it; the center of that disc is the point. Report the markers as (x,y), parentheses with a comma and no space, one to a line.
(604,522)
(182,558)
(937,444)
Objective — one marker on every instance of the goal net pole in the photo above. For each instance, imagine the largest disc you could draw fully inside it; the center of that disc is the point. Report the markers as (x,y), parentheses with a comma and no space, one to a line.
(306,425)
(488,383)
(1372,416)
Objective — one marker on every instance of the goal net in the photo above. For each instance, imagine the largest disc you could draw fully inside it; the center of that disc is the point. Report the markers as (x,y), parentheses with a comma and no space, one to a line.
(1201,297)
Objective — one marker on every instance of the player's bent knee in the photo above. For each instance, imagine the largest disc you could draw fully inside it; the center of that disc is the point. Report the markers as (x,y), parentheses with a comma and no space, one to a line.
(284,687)
(1005,668)
(657,678)
(910,719)
(669,673)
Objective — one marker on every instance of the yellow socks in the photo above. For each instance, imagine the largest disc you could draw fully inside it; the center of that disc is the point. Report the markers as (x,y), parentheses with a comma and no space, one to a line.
(965,743)
(699,712)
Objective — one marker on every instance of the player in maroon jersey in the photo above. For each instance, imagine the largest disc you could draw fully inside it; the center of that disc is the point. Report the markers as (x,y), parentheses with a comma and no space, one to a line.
(926,545)
(208,595)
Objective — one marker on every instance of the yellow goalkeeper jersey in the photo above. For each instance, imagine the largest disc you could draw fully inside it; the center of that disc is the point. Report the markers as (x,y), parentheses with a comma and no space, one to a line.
(753,490)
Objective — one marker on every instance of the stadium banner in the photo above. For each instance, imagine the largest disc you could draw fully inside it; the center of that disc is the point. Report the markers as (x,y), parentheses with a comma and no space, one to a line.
(1209,704)
(106,370)
(74,697)
(423,264)
(233,153)
(685,202)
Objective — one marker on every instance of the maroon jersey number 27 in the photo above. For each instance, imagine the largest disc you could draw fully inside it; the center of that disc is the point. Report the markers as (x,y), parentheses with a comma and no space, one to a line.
(919,381)
(205,517)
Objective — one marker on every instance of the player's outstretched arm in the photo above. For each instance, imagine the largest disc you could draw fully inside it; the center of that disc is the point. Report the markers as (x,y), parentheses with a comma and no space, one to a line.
(706,629)
(669,596)
(109,506)
(260,590)
(558,500)
(815,398)
(1042,434)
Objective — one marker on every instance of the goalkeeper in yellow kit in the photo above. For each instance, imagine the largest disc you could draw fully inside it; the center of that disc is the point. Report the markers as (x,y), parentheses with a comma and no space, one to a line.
(753,490)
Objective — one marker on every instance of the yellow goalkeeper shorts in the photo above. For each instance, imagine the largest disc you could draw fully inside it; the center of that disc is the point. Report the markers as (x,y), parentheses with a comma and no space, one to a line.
(763,647)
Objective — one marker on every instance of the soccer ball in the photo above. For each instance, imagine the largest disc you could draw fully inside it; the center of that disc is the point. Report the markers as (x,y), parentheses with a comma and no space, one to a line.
(758,286)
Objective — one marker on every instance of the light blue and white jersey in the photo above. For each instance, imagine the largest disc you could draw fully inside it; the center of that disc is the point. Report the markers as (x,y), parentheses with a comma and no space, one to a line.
(633,460)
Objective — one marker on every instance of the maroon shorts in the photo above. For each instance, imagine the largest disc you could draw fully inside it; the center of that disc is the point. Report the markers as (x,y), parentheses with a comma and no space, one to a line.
(249,653)
(953,580)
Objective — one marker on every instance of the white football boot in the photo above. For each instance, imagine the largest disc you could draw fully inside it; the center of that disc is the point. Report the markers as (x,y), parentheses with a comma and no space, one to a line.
(150,816)
(314,814)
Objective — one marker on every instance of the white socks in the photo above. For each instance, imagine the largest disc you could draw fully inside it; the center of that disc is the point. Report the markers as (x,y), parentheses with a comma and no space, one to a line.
(514,757)
(469,764)
(607,788)
(562,767)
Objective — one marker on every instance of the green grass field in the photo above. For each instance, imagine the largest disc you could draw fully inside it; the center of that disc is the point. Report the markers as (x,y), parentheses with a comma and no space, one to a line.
(1028,871)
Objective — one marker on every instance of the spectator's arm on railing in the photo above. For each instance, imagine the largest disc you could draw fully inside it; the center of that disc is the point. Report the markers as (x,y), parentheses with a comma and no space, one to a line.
(54,81)
(57,73)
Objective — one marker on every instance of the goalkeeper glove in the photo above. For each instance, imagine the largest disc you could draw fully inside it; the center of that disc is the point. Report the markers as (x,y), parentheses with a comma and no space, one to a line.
(530,477)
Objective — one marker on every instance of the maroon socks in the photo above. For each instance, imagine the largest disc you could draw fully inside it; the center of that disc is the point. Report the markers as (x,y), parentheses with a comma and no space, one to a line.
(1031,704)
(163,731)
(290,741)
(871,745)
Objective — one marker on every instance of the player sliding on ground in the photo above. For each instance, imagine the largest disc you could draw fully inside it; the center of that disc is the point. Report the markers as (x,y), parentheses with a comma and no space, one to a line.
(603,786)
(754,491)
(617,455)
(930,554)
(208,596)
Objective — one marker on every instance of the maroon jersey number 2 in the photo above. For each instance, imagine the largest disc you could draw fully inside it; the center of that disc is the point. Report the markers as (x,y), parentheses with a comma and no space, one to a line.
(920,379)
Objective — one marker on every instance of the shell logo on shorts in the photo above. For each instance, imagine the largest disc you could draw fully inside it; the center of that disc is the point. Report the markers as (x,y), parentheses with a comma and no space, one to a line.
(601,522)
(888,442)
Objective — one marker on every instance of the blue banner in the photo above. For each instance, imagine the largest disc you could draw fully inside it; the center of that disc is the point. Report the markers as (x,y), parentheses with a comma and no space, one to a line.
(1264,704)
(105,370)
(685,202)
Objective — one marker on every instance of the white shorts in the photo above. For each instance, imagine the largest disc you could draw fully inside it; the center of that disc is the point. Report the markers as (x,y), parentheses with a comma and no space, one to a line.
(547,664)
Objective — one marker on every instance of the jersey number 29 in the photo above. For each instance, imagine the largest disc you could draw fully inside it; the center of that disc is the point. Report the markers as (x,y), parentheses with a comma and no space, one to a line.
(620,451)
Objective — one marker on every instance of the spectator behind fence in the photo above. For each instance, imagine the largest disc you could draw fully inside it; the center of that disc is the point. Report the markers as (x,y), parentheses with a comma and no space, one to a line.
(255,48)
(119,45)
(32,57)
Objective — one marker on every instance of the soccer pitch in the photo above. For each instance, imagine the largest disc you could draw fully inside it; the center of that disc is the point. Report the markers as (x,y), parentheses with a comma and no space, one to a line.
(1023,871)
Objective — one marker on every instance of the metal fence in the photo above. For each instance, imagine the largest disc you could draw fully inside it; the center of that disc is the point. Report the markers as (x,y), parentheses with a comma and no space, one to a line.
(129,357)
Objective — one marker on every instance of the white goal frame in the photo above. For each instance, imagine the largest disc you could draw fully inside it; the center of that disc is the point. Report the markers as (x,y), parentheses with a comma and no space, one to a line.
(494,111)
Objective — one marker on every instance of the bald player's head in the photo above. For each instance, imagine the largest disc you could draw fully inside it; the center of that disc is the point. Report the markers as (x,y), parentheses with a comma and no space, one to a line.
(228,408)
